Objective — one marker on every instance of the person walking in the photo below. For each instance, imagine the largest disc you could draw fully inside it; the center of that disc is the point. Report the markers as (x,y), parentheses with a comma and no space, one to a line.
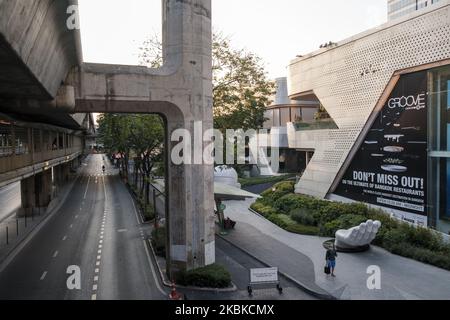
(330,257)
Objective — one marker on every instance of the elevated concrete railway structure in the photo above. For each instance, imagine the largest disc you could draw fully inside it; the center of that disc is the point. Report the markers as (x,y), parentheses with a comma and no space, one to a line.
(42,75)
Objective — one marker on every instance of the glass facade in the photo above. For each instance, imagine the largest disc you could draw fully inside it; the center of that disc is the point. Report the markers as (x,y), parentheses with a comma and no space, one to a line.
(439,138)
(400,8)
(279,117)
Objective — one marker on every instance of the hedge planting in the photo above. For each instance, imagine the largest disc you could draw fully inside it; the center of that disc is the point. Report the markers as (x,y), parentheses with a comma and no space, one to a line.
(212,276)
(310,216)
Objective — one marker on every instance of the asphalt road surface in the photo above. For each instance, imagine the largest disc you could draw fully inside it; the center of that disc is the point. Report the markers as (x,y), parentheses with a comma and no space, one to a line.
(95,232)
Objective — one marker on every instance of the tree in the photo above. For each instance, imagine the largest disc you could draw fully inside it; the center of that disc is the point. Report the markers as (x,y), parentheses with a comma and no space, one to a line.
(241,89)
(147,141)
(114,134)
(137,136)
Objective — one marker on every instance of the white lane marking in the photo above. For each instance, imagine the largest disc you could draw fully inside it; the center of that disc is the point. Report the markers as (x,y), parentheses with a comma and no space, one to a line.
(85,193)
(94,287)
(55,254)
(99,257)
(104,186)
(100,246)
(158,286)
(97,270)
(135,212)
(101,242)
(96,279)
(65,238)
(97,263)
(43,275)
(99,251)
(94,297)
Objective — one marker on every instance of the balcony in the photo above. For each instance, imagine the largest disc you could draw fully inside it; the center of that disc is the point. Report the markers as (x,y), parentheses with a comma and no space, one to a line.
(322,124)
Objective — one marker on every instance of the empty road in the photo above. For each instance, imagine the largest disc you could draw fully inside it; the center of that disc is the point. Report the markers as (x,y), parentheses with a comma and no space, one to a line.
(97,235)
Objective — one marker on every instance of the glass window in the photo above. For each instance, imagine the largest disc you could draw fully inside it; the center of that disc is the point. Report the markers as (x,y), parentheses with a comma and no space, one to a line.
(440,109)
(439,136)
(276,117)
(6,145)
(285,115)
(37,140)
(296,114)
(22,141)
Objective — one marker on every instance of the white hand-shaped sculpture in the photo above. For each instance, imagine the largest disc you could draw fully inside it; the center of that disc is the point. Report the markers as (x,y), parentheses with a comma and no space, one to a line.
(359,236)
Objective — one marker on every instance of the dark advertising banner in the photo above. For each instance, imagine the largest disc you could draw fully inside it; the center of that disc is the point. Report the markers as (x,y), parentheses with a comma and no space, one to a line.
(390,168)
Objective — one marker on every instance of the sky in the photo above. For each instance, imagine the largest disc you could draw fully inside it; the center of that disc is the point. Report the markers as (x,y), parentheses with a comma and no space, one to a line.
(277,31)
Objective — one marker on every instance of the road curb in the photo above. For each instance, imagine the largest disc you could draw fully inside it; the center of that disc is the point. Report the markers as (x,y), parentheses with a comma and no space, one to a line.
(299,284)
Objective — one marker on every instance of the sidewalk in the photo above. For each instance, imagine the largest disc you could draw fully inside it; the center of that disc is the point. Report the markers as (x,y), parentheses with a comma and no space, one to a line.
(303,258)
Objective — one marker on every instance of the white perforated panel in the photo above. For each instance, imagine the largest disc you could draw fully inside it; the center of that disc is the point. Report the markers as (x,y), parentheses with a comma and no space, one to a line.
(349,80)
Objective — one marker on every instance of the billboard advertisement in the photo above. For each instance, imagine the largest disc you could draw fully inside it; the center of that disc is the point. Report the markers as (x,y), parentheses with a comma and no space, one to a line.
(390,167)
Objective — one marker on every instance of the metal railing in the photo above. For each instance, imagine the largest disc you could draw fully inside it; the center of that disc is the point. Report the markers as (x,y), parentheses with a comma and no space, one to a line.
(16,227)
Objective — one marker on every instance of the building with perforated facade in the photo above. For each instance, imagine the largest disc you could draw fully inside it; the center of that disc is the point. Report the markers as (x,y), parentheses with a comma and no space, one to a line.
(387,91)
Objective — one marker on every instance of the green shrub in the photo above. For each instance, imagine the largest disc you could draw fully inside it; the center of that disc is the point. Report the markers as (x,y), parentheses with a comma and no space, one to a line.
(149,213)
(212,276)
(278,220)
(423,237)
(329,229)
(330,212)
(263,209)
(345,221)
(392,238)
(281,189)
(303,216)
(420,254)
(306,215)
(291,202)
(357,209)
(159,241)
(301,229)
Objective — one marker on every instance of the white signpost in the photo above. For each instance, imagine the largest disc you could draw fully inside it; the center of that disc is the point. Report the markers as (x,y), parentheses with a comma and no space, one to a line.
(264,276)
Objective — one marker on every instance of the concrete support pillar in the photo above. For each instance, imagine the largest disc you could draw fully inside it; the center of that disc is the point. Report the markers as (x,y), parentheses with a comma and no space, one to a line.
(44,188)
(65,172)
(191,217)
(28,196)
(61,174)
(181,91)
